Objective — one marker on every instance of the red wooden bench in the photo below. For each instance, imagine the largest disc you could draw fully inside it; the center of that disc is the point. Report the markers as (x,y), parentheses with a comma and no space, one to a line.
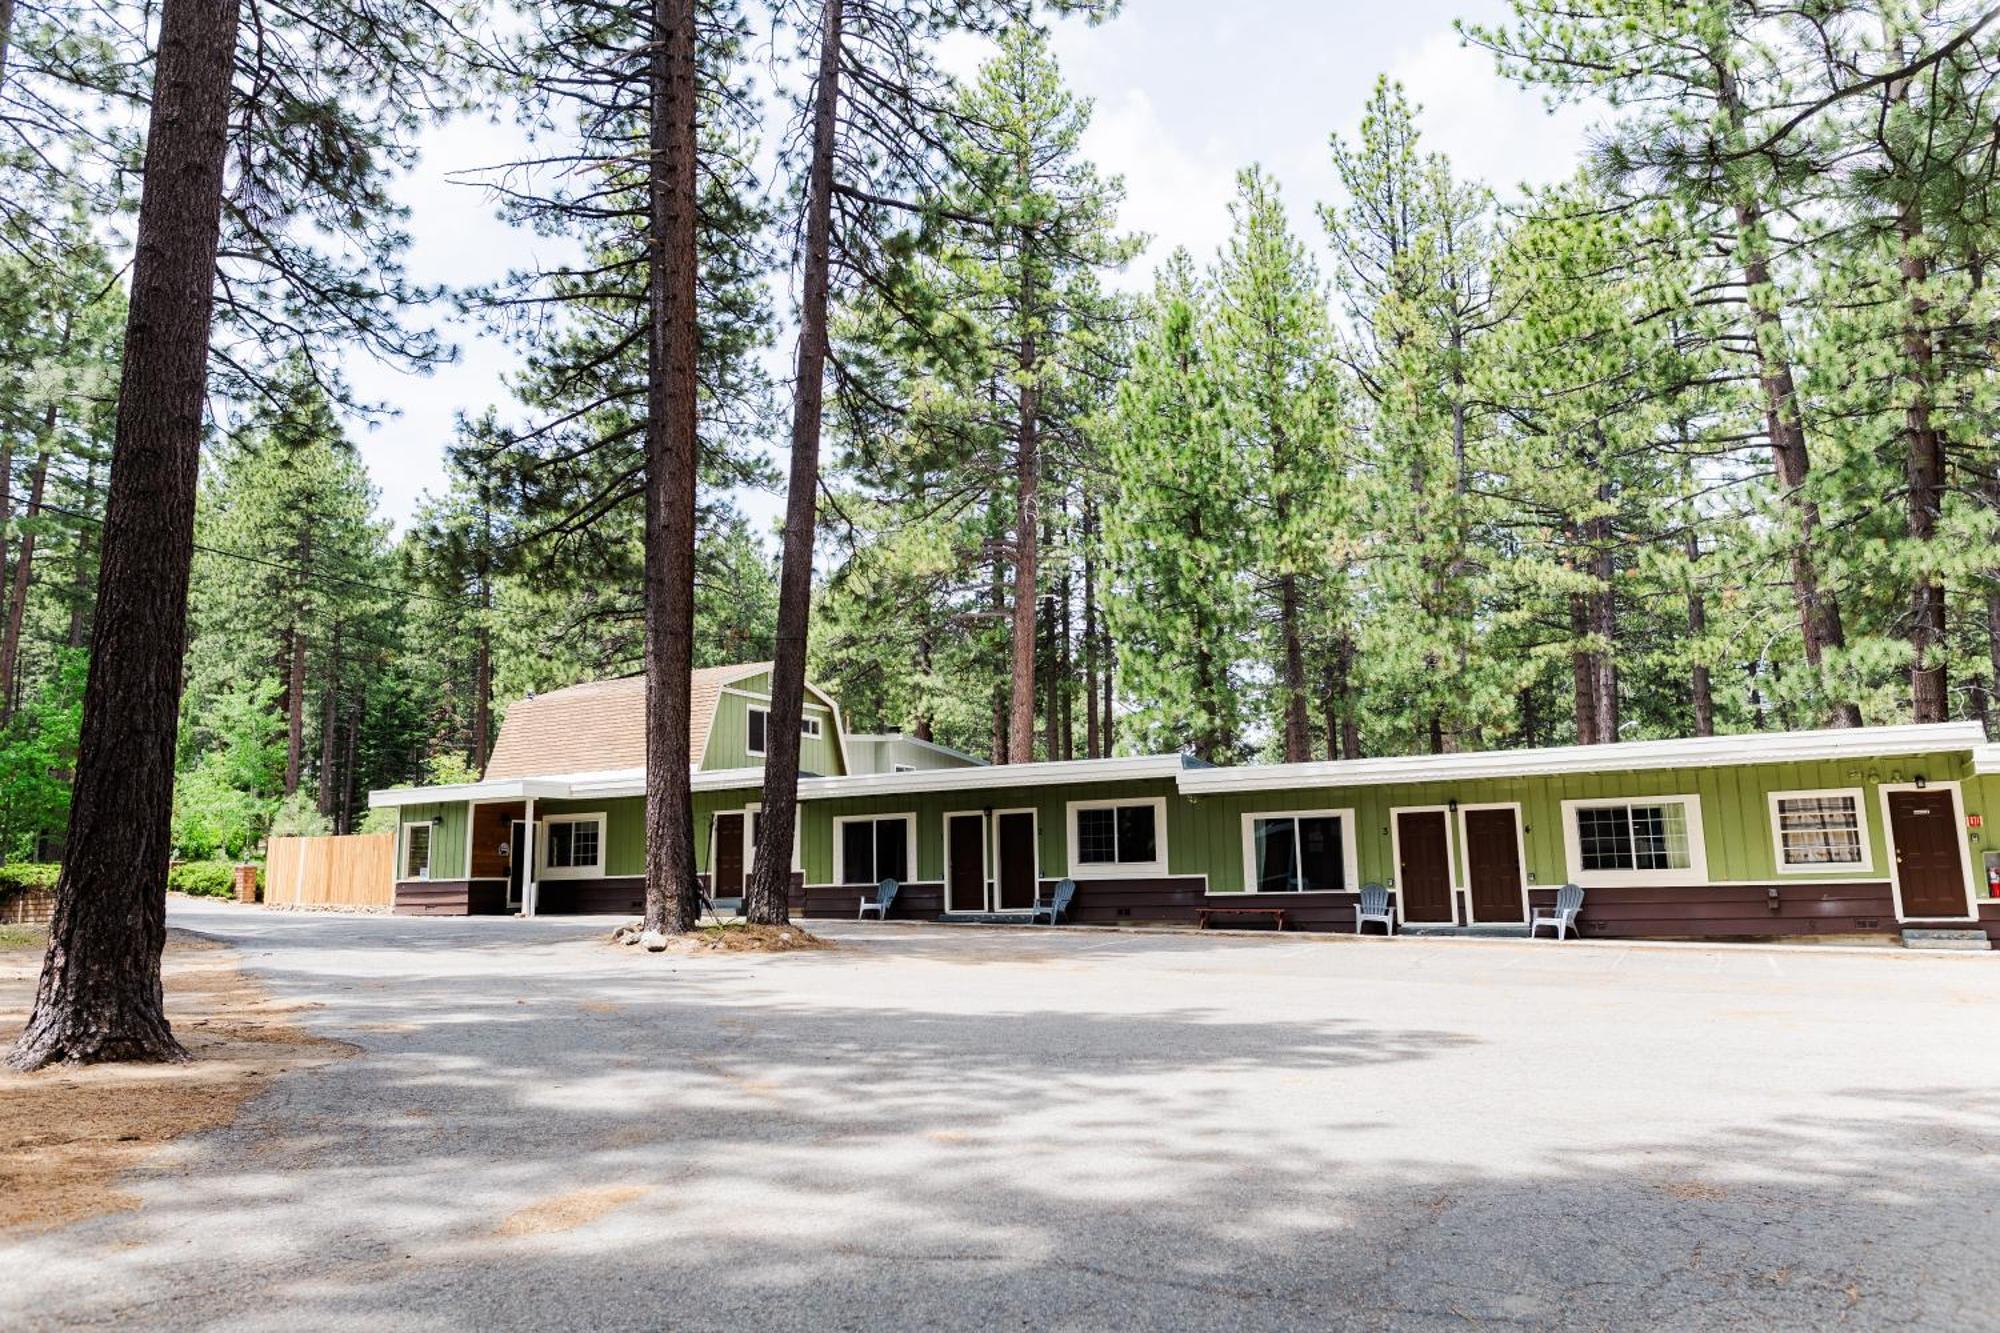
(1202,914)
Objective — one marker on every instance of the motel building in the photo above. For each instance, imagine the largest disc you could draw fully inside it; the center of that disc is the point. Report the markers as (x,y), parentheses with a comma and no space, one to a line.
(1873,830)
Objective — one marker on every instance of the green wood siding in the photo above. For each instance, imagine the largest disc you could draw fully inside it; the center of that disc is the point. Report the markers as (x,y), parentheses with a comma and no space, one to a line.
(728,734)
(625,825)
(448,844)
(1735,815)
(1049,803)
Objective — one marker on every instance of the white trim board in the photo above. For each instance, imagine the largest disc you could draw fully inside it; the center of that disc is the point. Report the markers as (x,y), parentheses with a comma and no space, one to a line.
(543,870)
(1695,872)
(910,870)
(1964,848)
(1396,859)
(1865,866)
(1520,852)
(1350,870)
(1077,870)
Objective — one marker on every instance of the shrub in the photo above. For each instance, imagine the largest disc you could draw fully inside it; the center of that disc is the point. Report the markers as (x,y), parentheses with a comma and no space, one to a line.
(207,879)
(28,875)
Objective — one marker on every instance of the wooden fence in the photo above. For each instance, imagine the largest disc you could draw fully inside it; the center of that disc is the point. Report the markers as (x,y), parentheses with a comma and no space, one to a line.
(355,871)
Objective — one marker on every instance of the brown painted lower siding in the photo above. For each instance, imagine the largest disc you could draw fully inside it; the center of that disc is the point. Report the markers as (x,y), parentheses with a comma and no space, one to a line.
(621,895)
(1989,919)
(1720,910)
(451,897)
(1166,900)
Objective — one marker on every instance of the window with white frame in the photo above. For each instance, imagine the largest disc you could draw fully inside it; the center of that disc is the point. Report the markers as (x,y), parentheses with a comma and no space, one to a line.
(1651,840)
(1116,838)
(1819,830)
(757,722)
(417,850)
(868,849)
(1304,852)
(572,846)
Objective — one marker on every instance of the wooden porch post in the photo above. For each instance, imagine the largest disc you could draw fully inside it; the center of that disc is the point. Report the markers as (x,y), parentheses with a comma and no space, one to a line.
(528,885)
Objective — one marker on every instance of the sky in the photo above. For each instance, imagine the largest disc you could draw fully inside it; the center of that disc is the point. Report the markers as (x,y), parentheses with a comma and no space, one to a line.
(1186,93)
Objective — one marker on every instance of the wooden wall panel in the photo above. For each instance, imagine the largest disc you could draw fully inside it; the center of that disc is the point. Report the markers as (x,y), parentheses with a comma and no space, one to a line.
(353,871)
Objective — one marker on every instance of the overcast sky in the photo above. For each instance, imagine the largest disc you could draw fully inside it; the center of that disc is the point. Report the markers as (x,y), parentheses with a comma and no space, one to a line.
(1186,92)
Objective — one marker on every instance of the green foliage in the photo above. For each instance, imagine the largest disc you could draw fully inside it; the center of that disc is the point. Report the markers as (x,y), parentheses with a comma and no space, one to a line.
(37,758)
(207,879)
(29,874)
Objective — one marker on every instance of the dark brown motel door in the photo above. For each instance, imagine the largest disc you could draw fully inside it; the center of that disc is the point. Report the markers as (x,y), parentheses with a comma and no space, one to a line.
(1493,865)
(1929,871)
(965,849)
(1423,868)
(1016,836)
(728,856)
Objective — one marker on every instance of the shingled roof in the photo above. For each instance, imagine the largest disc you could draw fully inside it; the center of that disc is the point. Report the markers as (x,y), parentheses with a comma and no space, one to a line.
(599,726)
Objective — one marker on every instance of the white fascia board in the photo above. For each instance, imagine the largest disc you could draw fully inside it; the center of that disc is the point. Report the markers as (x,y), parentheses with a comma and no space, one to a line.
(1623,756)
(506,789)
(993,776)
(902,738)
(1986,759)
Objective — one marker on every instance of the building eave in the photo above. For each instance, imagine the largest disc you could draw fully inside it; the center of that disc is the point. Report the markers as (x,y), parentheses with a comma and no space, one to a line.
(1048,774)
(1623,756)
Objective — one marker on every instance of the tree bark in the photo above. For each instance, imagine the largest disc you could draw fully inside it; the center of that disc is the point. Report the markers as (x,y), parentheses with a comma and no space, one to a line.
(100,997)
(1091,748)
(1819,612)
(79,566)
(769,897)
(295,707)
(24,565)
(1924,460)
(1583,670)
(1700,690)
(673,894)
(1027,485)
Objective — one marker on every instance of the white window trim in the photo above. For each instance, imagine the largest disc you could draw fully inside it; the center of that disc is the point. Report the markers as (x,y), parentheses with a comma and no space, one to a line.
(986,853)
(748,748)
(1865,866)
(1697,869)
(1964,848)
(1120,869)
(840,848)
(595,870)
(403,875)
(812,722)
(811,728)
(1349,861)
(750,839)
(1520,853)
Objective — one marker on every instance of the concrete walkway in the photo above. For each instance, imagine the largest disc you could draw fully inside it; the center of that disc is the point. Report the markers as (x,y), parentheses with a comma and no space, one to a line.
(986,1128)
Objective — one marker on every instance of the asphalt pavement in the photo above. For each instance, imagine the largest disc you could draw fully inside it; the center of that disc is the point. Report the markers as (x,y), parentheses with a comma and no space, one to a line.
(990,1128)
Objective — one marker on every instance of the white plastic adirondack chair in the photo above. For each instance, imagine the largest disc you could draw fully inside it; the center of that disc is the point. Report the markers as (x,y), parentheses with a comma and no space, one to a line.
(1569,905)
(885,894)
(1374,907)
(1055,904)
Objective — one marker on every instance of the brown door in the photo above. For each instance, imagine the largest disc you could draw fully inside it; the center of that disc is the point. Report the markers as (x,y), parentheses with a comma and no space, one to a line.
(965,852)
(1924,827)
(1423,867)
(1493,865)
(1015,834)
(728,857)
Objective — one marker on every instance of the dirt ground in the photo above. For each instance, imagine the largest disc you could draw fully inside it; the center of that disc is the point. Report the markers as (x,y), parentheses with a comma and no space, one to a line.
(733,937)
(66,1134)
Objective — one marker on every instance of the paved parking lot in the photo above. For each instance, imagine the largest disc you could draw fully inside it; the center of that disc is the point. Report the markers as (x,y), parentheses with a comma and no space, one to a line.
(982,1128)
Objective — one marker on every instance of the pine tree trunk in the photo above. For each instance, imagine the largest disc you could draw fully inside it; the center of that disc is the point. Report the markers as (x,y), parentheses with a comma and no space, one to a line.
(769,897)
(295,708)
(1701,692)
(352,732)
(100,997)
(329,743)
(1924,457)
(79,567)
(1819,612)
(1604,621)
(1108,666)
(17,595)
(1583,670)
(1027,484)
(1091,739)
(6,36)
(673,894)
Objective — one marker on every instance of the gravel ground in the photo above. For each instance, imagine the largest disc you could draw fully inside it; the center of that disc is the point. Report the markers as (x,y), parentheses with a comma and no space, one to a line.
(982,1128)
